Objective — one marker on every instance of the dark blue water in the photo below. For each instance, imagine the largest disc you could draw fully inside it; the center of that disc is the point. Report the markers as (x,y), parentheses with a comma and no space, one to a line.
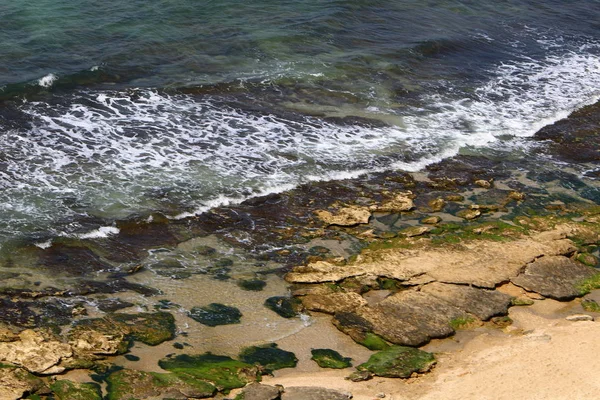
(121,107)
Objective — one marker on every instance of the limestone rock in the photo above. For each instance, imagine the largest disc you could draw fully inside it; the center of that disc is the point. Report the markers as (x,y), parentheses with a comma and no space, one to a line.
(483,183)
(313,393)
(434,219)
(469,214)
(415,231)
(437,204)
(480,263)
(91,342)
(482,303)
(554,276)
(347,216)
(36,353)
(411,318)
(579,317)
(399,203)
(15,382)
(333,302)
(256,391)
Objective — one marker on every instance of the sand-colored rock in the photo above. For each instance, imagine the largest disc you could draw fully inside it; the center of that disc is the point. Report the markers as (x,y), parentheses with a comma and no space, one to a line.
(399,203)
(97,343)
(333,302)
(256,391)
(437,204)
(35,353)
(346,216)
(479,263)
(482,303)
(15,382)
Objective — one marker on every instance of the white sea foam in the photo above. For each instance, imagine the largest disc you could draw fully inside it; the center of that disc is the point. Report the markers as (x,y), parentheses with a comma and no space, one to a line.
(102,232)
(116,153)
(47,80)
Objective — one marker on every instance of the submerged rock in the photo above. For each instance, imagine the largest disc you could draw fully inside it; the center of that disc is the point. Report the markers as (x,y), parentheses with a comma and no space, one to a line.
(287,307)
(269,357)
(327,358)
(216,314)
(398,362)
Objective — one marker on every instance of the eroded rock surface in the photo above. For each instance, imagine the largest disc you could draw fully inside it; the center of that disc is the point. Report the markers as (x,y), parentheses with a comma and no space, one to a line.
(313,393)
(554,276)
(36,353)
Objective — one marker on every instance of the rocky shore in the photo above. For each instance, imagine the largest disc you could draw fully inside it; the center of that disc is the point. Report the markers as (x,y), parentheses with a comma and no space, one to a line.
(360,279)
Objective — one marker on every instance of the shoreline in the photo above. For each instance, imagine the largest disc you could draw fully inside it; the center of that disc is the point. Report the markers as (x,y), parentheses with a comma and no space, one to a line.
(154,267)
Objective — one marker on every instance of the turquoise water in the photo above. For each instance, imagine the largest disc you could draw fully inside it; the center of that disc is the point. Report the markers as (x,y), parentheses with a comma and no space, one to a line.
(114,108)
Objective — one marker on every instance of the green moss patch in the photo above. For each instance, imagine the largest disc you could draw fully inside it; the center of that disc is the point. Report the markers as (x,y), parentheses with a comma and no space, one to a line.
(462,322)
(269,357)
(327,358)
(590,306)
(67,390)
(222,371)
(374,342)
(216,314)
(398,362)
(589,284)
(287,307)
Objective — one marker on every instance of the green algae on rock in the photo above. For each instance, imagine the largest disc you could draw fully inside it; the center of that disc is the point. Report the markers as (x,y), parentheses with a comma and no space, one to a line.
(255,285)
(327,358)
(216,314)
(287,307)
(398,362)
(127,384)
(67,390)
(269,357)
(223,372)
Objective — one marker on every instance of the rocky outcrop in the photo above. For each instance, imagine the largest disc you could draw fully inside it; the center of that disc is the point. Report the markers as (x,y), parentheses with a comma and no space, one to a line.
(482,303)
(15,382)
(36,353)
(346,216)
(554,276)
(480,263)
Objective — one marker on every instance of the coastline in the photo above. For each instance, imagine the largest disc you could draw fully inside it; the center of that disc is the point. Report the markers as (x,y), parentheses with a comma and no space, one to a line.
(483,201)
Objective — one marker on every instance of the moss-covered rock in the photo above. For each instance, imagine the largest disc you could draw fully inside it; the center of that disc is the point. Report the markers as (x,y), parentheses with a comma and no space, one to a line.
(129,384)
(287,307)
(327,358)
(269,357)
(216,314)
(398,362)
(149,328)
(67,390)
(223,372)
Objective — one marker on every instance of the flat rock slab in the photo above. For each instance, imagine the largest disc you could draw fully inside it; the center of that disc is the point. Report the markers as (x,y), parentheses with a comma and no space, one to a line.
(482,303)
(256,391)
(313,393)
(556,277)
(411,318)
(333,302)
(479,263)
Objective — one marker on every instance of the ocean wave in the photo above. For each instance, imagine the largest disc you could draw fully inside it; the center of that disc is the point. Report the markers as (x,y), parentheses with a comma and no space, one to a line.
(113,153)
